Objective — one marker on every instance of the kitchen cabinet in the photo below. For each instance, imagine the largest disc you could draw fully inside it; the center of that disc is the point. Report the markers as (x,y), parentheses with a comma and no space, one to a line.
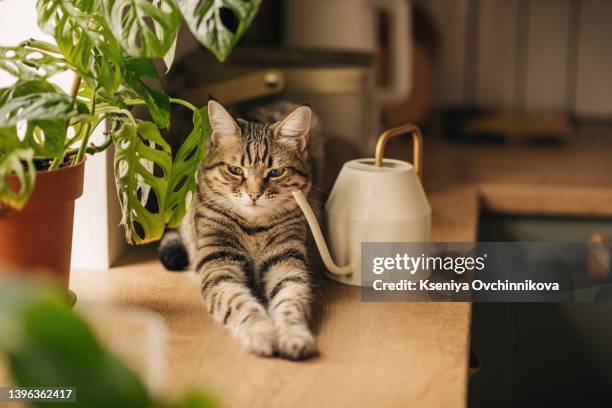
(541,354)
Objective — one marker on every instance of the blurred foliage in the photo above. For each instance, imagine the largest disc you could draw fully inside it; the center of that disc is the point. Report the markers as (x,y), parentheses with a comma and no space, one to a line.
(47,344)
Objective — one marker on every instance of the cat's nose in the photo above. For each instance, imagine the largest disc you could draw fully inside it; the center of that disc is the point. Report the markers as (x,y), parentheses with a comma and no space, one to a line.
(254,195)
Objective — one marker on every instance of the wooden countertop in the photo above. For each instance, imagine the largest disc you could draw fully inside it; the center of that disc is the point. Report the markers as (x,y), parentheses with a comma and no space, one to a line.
(570,179)
(371,354)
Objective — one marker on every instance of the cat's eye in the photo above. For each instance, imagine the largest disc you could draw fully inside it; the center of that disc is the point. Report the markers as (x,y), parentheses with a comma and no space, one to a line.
(276,172)
(237,171)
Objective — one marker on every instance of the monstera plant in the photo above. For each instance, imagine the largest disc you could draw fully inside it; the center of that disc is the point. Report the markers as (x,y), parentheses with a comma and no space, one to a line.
(110,46)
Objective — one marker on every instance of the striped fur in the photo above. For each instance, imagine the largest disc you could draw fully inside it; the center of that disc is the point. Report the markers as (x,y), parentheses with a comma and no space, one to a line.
(251,255)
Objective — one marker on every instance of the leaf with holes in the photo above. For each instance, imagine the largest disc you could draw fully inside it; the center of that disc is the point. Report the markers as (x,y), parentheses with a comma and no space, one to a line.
(43,108)
(145,28)
(218,24)
(25,87)
(183,179)
(137,70)
(8,138)
(84,39)
(36,106)
(143,161)
(26,62)
(159,30)
(169,56)
(15,164)
(50,11)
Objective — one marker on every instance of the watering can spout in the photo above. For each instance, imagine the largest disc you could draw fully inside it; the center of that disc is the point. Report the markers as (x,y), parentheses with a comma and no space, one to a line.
(318,236)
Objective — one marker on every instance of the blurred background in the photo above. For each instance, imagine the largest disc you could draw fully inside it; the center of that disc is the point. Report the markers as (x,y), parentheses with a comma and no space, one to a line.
(473,72)
(518,56)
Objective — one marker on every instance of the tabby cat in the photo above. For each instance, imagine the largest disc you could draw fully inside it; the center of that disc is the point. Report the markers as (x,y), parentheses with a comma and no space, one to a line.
(246,236)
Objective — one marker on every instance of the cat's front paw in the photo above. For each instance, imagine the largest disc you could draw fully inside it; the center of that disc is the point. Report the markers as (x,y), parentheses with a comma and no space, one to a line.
(295,342)
(259,338)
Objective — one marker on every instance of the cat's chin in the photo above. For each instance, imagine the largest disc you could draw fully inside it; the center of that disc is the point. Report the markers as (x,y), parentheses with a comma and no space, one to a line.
(253,210)
(261,211)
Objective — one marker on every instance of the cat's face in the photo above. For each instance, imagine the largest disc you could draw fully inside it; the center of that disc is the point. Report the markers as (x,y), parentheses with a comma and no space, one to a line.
(253,167)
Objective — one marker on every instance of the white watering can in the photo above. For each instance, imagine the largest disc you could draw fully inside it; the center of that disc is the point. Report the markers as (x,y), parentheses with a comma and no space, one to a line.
(373,200)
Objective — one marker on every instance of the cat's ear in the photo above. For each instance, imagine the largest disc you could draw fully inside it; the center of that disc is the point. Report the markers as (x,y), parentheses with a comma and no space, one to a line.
(294,129)
(223,125)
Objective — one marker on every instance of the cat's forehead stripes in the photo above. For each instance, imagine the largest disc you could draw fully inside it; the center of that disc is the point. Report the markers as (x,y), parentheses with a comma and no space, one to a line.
(257,139)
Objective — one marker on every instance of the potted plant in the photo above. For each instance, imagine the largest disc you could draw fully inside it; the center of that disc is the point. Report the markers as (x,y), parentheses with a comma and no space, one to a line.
(110,46)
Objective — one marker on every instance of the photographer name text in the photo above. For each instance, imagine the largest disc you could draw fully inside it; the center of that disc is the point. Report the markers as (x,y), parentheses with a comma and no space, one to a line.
(410,265)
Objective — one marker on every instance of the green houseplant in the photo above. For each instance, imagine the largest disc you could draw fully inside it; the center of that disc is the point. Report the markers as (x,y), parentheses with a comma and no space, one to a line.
(45,344)
(110,46)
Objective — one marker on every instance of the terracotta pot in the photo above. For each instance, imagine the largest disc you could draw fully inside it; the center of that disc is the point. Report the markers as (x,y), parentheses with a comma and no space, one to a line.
(39,237)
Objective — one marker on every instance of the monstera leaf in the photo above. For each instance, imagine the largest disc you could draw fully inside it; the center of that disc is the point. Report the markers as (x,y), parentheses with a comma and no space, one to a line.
(15,162)
(183,179)
(218,24)
(145,28)
(50,11)
(158,103)
(84,39)
(26,62)
(143,163)
(38,109)
(35,106)
(159,29)
(26,87)
(43,108)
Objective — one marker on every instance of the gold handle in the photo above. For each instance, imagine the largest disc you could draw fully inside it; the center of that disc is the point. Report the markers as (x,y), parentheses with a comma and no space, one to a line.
(417,140)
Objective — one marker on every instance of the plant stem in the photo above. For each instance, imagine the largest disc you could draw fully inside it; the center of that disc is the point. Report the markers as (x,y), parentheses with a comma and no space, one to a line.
(57,161)
(183,103)
(88,131)
(112,109)
(76,83)
(134,102)
(94,149)
(41,45)
(83,148)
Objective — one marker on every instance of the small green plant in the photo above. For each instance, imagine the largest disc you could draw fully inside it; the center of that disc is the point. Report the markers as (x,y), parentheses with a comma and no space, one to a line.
(46,344)
(110,46)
